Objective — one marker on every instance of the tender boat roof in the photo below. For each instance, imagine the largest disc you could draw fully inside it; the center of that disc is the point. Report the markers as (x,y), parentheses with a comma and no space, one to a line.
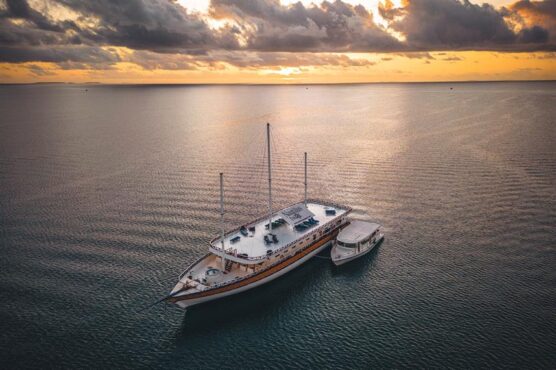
(254,245)
(356,231)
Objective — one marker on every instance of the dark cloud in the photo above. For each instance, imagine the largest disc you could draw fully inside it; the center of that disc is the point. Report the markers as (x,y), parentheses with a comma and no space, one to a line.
(32,28)
(541,9)
(535,34)
(330,26)
(20,9)
(81,54)
(539,16)
(164,35)
(158,25)
(452,24)
(462,25)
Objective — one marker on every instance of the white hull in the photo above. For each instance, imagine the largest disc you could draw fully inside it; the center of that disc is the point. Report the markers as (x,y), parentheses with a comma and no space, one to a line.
(339,262)
(192,302)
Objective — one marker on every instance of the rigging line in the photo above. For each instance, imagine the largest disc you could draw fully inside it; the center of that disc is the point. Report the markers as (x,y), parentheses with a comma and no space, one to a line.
(254,144)
(263,166)
(283,165)
(277,156)
(278,165)
(252,172)
(247,175)
(261,174)
(282,155)
(260,151)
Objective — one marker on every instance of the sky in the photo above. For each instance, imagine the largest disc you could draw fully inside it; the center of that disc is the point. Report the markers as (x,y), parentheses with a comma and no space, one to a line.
(273,41)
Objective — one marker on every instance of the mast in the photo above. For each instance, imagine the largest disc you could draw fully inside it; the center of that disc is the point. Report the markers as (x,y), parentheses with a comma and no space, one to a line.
(305,179)
(222,220)
(269,180)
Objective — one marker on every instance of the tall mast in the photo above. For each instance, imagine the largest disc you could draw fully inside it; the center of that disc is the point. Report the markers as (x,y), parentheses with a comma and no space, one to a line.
(305,179)
(222,220)
(269,180)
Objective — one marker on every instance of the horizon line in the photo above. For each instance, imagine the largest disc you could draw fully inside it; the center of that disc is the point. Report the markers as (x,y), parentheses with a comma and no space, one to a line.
(263,83)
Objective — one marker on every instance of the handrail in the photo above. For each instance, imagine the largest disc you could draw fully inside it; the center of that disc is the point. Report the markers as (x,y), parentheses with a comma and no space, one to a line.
(312,200)
(263,257)
(255,272)
(191,266)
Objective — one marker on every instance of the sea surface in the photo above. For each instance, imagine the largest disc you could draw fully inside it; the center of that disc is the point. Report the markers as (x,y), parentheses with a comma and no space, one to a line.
(107,193)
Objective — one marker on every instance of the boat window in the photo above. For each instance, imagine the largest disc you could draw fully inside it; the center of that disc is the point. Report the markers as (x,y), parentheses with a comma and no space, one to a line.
(346,245)
(365,241)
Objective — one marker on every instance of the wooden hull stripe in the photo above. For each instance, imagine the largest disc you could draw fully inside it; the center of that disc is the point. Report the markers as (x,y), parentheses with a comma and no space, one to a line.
(259,276)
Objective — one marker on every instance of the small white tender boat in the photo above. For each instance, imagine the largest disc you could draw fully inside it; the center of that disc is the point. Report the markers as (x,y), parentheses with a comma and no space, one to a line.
(355,240)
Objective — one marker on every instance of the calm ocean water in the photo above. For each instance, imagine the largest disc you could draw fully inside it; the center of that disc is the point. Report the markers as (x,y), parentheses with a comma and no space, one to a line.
(109,192)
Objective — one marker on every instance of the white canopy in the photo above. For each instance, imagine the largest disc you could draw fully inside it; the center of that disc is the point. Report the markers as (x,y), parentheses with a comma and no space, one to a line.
(296,214)
(357,231)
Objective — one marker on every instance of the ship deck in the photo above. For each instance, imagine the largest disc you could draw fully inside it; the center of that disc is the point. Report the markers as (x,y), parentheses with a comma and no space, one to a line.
(253,245)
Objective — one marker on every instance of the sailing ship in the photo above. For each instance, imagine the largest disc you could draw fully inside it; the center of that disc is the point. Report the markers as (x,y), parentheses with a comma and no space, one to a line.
(261,250)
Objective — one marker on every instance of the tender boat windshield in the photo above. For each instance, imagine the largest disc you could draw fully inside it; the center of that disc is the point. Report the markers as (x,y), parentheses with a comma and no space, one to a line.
(346,245)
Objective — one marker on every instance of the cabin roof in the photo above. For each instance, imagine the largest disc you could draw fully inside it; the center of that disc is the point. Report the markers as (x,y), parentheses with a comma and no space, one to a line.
(356,231)
(296,214)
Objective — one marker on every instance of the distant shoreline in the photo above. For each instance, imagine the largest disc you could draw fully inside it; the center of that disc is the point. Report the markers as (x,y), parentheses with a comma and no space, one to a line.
(267,84)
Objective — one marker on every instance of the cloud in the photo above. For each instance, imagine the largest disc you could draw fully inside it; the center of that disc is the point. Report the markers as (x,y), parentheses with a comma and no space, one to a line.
(459,25)
(331,26)
(69,53)
(416,55)
(162,34)
(288,59)
(39,71)
(536,15)
(244,59)
(158,25)
(20,9)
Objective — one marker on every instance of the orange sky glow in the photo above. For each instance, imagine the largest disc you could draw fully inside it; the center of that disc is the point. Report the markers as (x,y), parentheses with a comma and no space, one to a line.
(248,62)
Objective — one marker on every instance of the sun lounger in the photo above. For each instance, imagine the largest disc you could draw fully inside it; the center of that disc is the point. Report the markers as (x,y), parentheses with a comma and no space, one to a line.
(243,231)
